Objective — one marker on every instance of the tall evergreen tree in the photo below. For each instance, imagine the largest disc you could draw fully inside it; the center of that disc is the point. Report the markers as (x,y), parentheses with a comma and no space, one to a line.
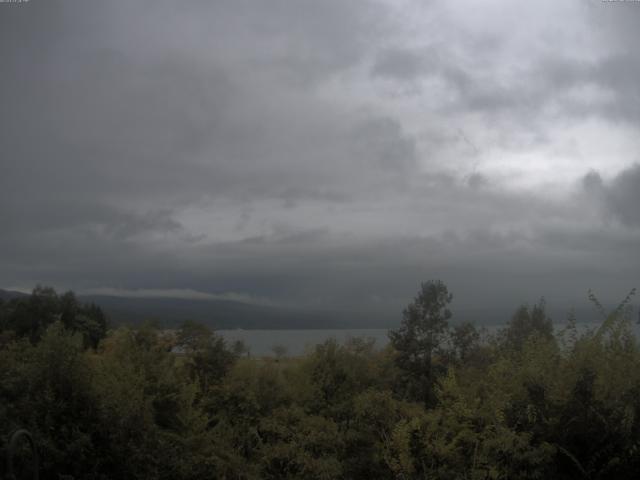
(421,335)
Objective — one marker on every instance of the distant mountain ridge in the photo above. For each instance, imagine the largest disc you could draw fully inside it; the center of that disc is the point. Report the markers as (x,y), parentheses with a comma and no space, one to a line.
(232,314)
(221,314)
(229,314)
(9,294)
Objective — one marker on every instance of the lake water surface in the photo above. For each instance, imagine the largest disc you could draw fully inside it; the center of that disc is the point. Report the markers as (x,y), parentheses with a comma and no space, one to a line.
(297,342)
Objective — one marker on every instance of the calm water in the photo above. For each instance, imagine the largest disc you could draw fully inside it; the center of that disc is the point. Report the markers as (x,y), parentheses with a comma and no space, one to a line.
(296,342)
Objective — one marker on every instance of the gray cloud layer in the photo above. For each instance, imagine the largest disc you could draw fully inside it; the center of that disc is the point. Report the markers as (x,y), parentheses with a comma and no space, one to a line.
(325,153)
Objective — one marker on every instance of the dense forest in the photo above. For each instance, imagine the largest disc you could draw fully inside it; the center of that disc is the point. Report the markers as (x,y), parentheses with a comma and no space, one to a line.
(442,401)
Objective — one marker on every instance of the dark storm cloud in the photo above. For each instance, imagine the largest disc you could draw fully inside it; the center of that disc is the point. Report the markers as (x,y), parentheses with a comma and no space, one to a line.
(620,197)
(618,68)
(516,99)
(118,125)
(624,196)
(547,79)
(263,148)
(105,133)
(401,64)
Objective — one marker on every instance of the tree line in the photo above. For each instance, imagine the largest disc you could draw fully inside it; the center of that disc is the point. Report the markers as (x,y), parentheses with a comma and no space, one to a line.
(443,400)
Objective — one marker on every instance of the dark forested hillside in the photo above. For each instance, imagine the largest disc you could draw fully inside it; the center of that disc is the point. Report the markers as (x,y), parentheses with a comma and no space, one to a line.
(230,314)
(9,294)
(442,401)
(227,314)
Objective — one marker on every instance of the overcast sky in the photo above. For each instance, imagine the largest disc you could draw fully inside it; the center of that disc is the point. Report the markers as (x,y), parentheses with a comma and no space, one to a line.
(327,153)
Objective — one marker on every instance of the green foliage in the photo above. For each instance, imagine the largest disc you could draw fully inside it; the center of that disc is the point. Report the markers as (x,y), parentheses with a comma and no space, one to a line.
(527,322)
(47,389)
(420,336)
(30,317)
(207,357)
(146,404)
(295,445)
(465,344)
